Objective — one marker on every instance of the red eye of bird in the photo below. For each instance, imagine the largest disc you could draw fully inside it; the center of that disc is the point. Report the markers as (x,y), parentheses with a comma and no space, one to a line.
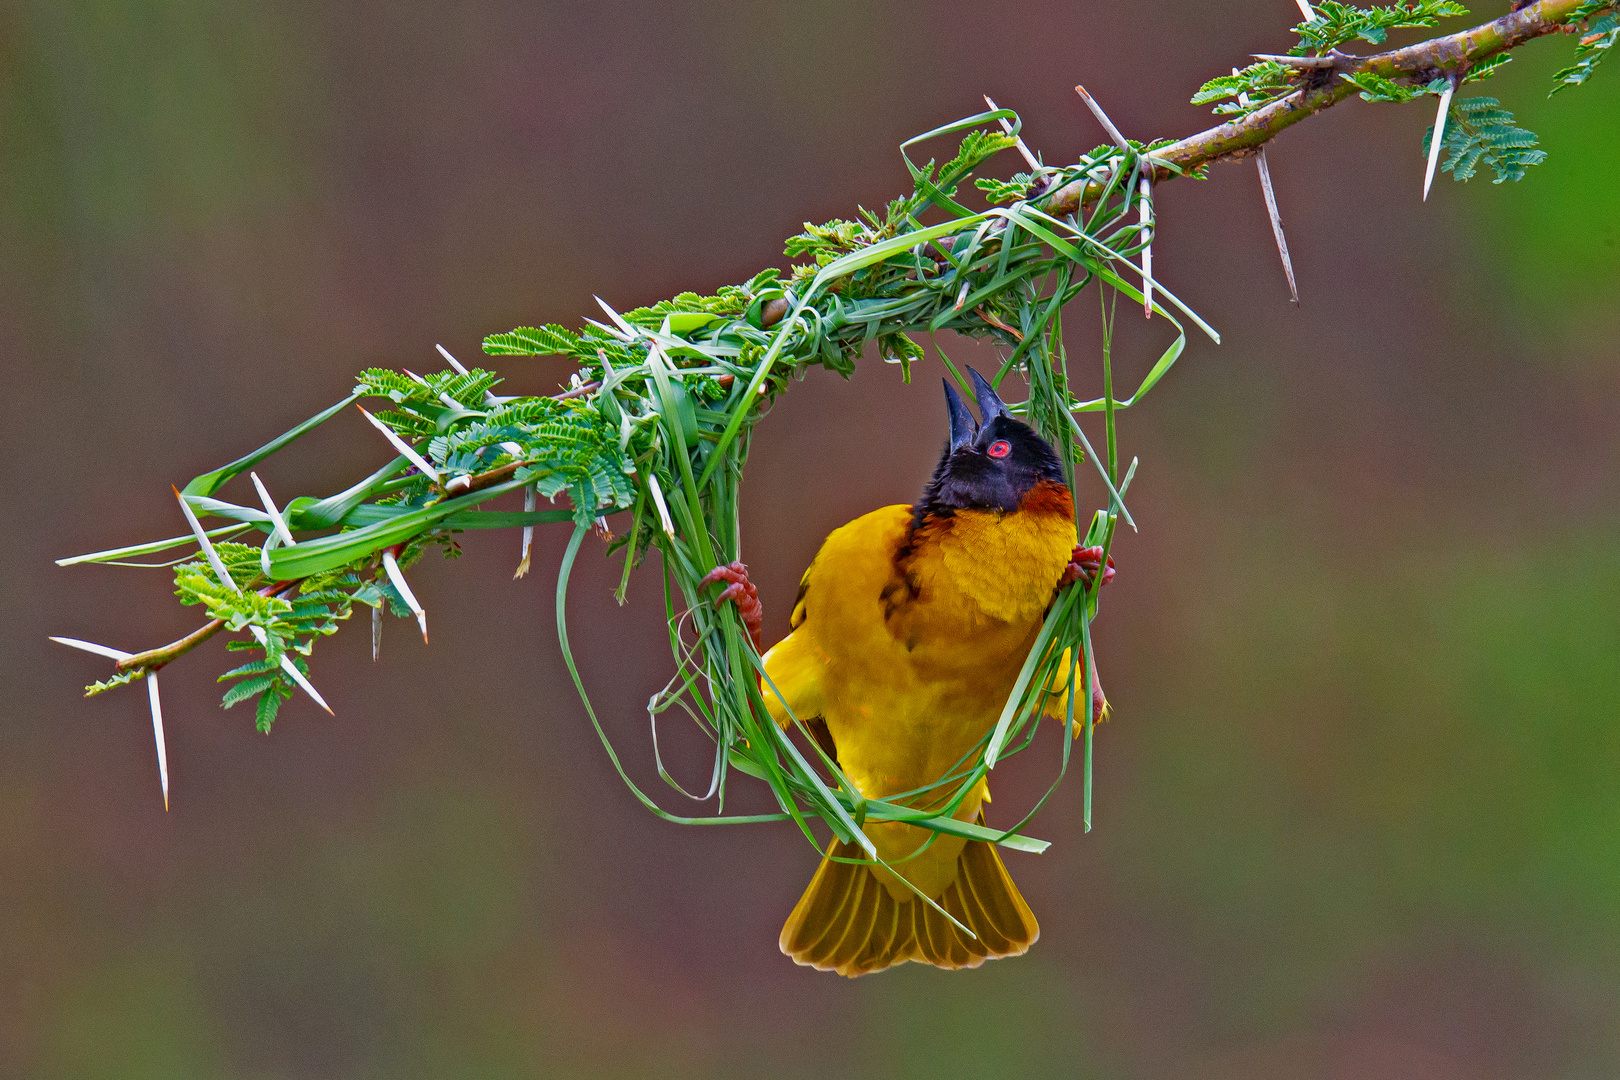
(1000,448)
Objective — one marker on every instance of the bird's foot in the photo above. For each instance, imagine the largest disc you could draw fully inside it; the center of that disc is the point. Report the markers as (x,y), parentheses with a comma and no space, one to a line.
(1084,563)
(740,591)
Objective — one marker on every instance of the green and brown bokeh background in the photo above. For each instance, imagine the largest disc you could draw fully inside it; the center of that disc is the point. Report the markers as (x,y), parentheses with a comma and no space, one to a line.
(1358,814)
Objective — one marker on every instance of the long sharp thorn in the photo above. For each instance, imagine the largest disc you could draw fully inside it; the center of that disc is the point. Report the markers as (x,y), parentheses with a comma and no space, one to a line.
(1276,222)
(230,583)
(270,508)
(1102,118)
(402,446)
(444,399)
(1006,125)
(391,564)
(1147,252)
(489,396)
(92,647)
(157,736)
(528,532)
(1305,10)
(298,677)
(1439,137)
(376,633)
(452,361)
(207,545)
(618,320)
(663,510)
(291,669)
(1309,63)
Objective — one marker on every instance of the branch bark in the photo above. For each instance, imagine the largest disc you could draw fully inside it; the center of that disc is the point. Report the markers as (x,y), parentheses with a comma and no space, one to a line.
(1452,55)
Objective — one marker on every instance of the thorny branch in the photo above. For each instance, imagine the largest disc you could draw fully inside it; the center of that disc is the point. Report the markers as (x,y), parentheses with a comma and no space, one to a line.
(1450,55)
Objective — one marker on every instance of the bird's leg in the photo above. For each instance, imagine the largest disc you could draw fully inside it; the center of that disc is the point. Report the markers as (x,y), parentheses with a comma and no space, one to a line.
(740,591)
(1084,563)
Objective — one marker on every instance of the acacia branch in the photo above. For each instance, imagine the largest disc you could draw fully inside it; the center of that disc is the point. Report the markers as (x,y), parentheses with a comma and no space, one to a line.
(1453,55)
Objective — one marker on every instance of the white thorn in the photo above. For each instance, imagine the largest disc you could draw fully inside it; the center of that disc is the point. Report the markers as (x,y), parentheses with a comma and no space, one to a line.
(1309,63)
(1305,10)
(1276,221)
(444,399)
(376,633)
(207,545)
(1439,137)
(528,531)
(663,510)
(92,647)
(452,361)
(489,397)
(611,331)
(230,583)
(402,446)
(157,735)
(298,677)
(1102,118)
(1147,252)
(618,320)
(391,564)
(291,669)
(1006,125)
(270,508)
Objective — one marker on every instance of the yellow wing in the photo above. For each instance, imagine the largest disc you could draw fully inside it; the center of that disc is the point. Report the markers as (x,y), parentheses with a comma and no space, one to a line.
(840,597)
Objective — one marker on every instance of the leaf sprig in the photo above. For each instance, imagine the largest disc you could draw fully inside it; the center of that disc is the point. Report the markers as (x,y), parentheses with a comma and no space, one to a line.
(1479,131)
(1602,31)
(1337,23)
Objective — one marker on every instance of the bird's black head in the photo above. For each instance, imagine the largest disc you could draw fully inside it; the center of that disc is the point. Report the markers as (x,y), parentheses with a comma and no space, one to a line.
(989,465)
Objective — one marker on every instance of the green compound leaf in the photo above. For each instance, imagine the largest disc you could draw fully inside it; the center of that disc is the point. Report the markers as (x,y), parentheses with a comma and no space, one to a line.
(1479,131)
(1375,87)
(1252,88)
(997,192)
(1338,23)
(533,341)
(1594,45)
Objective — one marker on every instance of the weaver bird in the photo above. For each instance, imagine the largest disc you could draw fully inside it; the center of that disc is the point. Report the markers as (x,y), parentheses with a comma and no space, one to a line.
(908,633)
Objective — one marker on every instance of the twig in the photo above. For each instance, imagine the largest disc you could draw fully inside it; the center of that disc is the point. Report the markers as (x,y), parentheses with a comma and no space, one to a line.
(578,391)
(152,659)
(1454,52)
(997,323)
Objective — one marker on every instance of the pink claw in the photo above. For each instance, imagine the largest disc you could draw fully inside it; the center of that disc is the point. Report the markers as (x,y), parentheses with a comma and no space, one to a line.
(741,592)
(1084,564)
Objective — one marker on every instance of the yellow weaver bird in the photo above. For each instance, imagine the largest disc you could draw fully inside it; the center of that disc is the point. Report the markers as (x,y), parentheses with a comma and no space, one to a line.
(908,634)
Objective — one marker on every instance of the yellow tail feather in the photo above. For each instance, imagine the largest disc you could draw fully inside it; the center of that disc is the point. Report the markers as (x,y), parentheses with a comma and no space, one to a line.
(847,921)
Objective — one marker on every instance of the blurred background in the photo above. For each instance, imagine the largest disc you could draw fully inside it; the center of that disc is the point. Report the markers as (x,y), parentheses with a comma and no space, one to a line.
(1357,815)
